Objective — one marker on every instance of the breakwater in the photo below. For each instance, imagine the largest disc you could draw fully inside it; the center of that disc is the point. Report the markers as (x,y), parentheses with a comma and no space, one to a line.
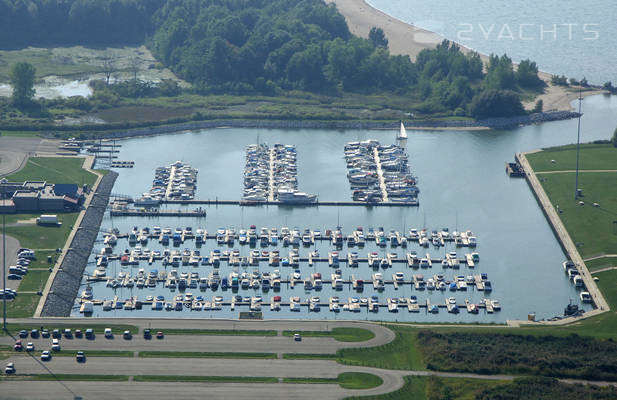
(492,123)
(65,286)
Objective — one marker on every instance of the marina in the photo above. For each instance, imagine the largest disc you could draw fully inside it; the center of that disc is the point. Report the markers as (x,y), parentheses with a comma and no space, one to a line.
(495,208)
(380,174)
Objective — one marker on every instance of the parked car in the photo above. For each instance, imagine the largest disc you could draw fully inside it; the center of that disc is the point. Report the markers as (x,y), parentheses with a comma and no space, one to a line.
(46,355)
(127,335)
(147,334)
(297,337)
(68,334)
(56,334)
(34,334)
(45,333)
(23,333)
(89,333)
(159,335)
(30,346)
(55,344)
(78,334)
(18,346)
(13,277)
(80,357)
(108,333)
(9,369)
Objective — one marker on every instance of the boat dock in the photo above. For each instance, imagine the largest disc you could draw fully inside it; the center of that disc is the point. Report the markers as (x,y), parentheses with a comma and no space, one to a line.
(122,164)
(154,212)
(382,183)
(353,304)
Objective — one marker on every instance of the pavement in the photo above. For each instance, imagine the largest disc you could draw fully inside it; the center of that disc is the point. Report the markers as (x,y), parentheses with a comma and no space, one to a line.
(210,343)
(14,151)
(12,245)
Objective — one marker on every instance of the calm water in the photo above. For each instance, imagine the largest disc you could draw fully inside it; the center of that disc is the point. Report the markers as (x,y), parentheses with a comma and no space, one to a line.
(463,185)
(515,27)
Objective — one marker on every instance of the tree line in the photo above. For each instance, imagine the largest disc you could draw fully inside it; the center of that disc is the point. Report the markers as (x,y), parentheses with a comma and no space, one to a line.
(271,47)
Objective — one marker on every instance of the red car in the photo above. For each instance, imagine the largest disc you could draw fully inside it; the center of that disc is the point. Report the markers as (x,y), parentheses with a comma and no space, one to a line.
(18,346)
(159,335)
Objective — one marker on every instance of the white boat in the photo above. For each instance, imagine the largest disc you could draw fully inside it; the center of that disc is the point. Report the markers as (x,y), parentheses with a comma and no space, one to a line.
(402,133)
(294,197)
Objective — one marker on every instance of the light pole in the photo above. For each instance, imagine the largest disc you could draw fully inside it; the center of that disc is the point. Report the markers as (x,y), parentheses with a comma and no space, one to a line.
(578,145)
(4,273)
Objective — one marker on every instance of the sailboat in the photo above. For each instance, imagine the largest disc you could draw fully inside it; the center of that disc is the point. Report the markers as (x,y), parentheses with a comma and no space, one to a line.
(402,135)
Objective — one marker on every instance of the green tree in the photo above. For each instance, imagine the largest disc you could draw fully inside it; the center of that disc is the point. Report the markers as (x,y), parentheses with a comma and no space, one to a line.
(496,103)
(22,81)
(378,37)
(614,139)
(527,75)
(539,106)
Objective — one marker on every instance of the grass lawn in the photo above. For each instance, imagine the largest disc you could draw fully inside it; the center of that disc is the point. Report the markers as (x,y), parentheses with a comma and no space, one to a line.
(401,353)
(65,377)
(221,379)
(54,170)
(592,156)
(309,356)
(413,389)
(215,332)
(591,228)
(44,237)
(347,380)
(95,353)
(195,354)
(44,62)
(340,334)
(34,281)
(22,306)
(601,263)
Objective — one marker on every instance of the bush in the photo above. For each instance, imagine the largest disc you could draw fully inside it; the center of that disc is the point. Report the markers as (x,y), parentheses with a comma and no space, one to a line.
(496,103)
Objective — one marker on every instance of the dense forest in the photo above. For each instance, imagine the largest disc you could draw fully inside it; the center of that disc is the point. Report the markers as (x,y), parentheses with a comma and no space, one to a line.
(572,356)
(272,47)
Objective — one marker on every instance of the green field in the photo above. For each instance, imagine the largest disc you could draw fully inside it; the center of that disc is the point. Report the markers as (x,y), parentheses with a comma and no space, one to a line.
(54,170)
(340,334)
(22,306)
(592,157)
(347,380)
(196,354)
(600,263)
(401,353)
(220,379)
(593,229)
(216,332)
(33,281)
(44,237)
(44,62)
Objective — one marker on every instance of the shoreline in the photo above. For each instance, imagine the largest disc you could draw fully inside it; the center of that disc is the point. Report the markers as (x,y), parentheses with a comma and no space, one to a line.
(456,125)
(361,17)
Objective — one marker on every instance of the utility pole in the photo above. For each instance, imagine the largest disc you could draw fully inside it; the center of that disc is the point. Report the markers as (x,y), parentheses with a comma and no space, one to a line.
(4,272)
(578,144)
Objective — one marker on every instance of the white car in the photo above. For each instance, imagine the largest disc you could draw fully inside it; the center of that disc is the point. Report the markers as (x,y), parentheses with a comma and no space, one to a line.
(108,333)
(30,346)
(55,344)
(297,337)
(46,355)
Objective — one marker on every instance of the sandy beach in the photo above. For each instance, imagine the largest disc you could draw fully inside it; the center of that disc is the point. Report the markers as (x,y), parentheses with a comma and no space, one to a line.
(361,17)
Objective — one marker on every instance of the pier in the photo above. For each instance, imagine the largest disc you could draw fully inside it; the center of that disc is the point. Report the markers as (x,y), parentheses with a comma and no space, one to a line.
(154,212)
(382,183)
(562,235)
(414,203)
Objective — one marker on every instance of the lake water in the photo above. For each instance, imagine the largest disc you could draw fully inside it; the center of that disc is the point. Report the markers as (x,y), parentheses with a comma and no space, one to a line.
(463,186)
(516,27)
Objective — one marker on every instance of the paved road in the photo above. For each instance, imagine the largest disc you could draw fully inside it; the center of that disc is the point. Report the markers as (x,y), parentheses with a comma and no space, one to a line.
(14,151)
(178,391)
(210,343)
(12,245)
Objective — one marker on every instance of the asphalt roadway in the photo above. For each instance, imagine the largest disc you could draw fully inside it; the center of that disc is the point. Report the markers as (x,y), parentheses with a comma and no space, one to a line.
(211,343)
(12,245)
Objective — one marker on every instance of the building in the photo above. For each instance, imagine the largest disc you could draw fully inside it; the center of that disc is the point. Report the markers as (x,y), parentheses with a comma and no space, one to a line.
(34,196)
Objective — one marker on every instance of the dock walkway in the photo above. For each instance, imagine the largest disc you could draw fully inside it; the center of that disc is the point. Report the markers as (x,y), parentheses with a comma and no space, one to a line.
(562,234)
(382,183)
